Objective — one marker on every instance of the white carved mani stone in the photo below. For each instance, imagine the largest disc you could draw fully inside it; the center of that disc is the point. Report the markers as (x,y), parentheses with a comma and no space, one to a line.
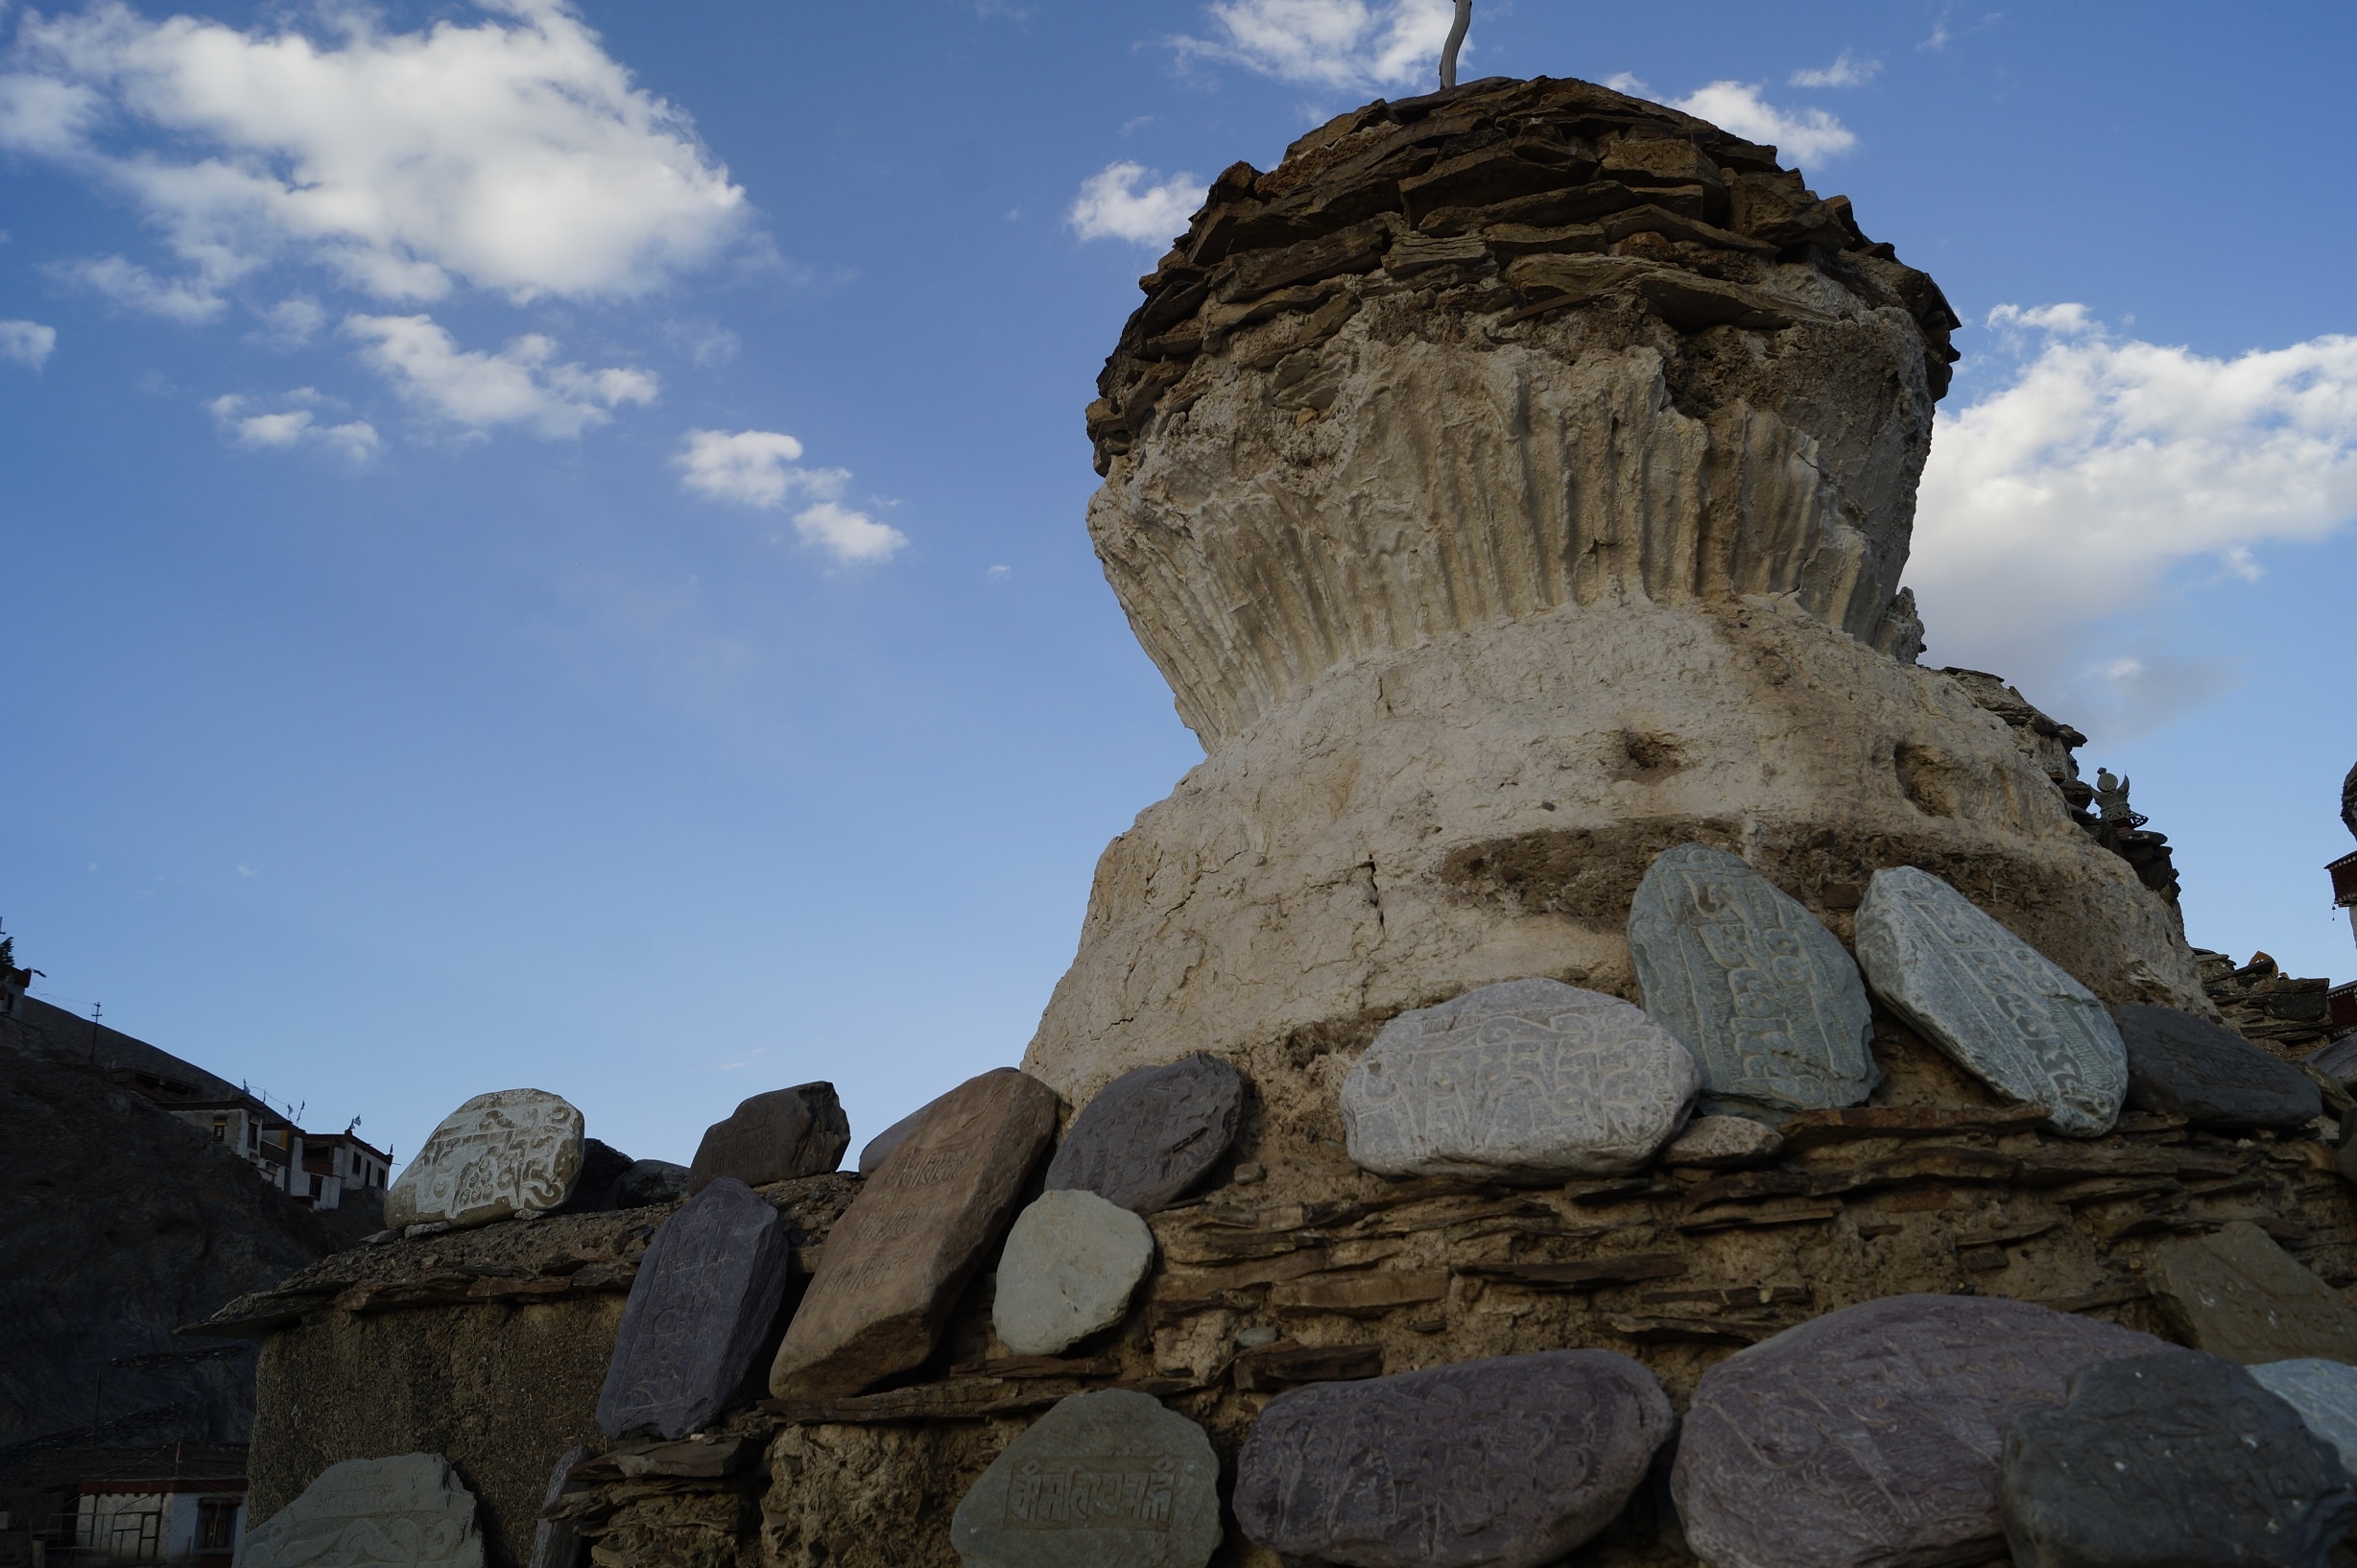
(515,1151)
(1763,994)
(410,1511)
(1995,1005)
(1526,1081)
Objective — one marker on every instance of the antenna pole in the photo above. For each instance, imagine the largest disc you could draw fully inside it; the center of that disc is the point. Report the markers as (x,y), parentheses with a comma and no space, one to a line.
(1455,40)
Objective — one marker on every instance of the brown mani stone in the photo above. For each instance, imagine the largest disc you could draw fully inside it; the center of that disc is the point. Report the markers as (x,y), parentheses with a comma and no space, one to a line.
(895,1263)
(2237,1294)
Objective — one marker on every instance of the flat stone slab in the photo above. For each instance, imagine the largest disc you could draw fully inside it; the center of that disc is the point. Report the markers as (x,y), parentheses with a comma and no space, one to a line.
(774,1137)
(1070,1265)
(2176,1458)
(1150,1134)
(2325,1393)
(701,1308)
(1995,1005)
(2181,1065)
(2236,1293)
(1501,1464)
(396,1512)
(1767,999)
(1722,1140)
(878,1149)
(896,1261)
(1526,1081)
(501,1154)
(1870,1437)
(1105,1480)
(557,1543)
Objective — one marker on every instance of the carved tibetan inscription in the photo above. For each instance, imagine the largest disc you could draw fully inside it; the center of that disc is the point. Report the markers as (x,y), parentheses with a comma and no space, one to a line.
(896,1261)
(1995,1005)
(409,1511)
(514,1152)
(1763,995)
(700,1309)
(1105,1480)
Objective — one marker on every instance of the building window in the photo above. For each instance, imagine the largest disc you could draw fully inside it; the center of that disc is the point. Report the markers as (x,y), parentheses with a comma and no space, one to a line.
(217,1524)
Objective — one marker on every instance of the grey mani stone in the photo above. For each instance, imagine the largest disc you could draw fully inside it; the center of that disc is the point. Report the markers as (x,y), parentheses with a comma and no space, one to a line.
(1765,996)
(2236,1293)
(700,1312)
(649,1182)
(555,1543)
(774,1137)
(1070,1264)
(1526,1080)
(1500,1463)
(1870,1437)
(2176,1458)
(1150,1134)
(1105,1480)
(1996,1006)
(2325,1393)
(2181,1065)
(410,1511)
(516,1152)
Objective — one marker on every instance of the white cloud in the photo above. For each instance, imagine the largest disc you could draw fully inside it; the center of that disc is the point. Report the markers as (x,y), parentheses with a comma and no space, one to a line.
(1333,43)
(1112,208)
(1806,135)
(134,288)
(2057,511)
(513,155)
(756,468)
(520,385)
(1630,82)
(244,421)
(1845,72)
(28,343)
(293,320)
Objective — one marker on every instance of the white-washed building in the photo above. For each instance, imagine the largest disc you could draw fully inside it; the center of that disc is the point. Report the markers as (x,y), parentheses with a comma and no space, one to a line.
(194,1521)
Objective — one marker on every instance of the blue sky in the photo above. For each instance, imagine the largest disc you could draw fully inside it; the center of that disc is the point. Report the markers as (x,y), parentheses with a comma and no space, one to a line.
(544,546)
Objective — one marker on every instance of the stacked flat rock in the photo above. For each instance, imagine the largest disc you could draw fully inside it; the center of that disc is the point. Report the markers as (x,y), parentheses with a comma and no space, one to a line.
(515,1151)
(922,1224)
(774,1137)
(2236,1293)
(410,1511)
(2174,1458)
(1150,1134)
(558,1543)
(1870,1437)
(1991,1002)
(2180,1066)
(1070,1265)
(1506,1462)
(1766,998)
(1106,1479)
(1526,1081)
(1723,1140)
(2325,1393)
(700,1312)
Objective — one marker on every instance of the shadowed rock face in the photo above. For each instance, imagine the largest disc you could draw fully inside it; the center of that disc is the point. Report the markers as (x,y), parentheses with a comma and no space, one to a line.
(1512,485)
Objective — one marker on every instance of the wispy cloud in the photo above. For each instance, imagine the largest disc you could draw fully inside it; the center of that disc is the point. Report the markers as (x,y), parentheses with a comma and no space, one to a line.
(1329,43)
(1112,207)
(1808,135)
(760,468)
(2061,505)
(522,385)
(134,288)
(1845,71)
(255,424)
(29,344)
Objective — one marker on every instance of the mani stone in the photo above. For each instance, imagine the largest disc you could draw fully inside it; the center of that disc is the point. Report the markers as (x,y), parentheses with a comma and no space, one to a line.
(1070,1265)
(649,1182)
(774,1137)
(879,1148)
(411,1512)
(1150,1134)
(2181,1065)
(555,1543)
(1500,1463)
(1722,1140)
(893,1264)
(1105,1480)
(1526,1081)
(700,1309)
(1870,1437)
(516,1152)
(2237,1294)
(2174,1458)
(1991,1002)
(1764,996)
(2325,1393)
